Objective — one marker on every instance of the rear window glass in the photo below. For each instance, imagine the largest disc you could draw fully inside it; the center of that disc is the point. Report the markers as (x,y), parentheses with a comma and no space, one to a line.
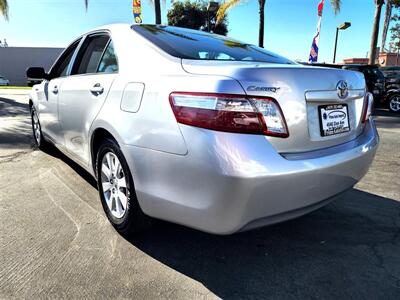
(192,44)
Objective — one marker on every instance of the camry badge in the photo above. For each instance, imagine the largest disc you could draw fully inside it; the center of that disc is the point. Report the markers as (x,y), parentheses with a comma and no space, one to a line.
(342,89)
(253,88)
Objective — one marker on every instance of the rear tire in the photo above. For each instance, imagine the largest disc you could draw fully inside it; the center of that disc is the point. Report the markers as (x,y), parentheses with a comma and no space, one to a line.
(117,190)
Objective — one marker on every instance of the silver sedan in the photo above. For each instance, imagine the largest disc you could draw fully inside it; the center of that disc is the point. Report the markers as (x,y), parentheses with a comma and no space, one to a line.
(202,130)
(4,81)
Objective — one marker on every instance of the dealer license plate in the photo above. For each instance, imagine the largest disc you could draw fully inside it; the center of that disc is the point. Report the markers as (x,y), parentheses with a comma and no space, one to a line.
(333,119)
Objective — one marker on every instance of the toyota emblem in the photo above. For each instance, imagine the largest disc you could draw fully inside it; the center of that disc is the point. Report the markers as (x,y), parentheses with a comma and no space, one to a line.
(342,89)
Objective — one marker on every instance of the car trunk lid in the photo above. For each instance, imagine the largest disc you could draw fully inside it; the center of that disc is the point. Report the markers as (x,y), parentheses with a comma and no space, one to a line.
(306,95)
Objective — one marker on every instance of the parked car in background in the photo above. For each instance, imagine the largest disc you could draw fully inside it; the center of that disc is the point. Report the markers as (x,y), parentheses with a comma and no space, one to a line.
(202,130)
(374,79)
(392,81)
(4,81)
(385,86)
(390,72)
(392,75)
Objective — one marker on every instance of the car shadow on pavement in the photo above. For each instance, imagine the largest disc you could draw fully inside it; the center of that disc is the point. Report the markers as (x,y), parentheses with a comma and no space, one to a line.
(54,152)
(19,134)
(386,119)
(349,248)
(12,108)
(384,112)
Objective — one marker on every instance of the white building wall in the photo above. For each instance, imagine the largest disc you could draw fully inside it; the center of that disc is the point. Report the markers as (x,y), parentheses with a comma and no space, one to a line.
(15,60)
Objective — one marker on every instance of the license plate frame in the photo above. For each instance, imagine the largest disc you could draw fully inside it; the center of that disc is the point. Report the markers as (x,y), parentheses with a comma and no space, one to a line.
(333,119)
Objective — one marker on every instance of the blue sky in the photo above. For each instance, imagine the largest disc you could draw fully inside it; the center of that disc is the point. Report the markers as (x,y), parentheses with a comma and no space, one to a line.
(289,24)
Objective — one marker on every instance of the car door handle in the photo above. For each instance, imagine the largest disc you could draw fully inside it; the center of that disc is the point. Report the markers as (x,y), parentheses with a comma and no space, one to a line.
(97,89)
(55,90)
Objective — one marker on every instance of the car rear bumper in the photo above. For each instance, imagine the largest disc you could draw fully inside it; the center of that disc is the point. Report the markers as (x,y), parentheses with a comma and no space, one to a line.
(226,184)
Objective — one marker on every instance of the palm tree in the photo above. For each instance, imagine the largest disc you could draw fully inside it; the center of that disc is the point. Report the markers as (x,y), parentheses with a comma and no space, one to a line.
(157,10)
(228,4)
(375,31)
(4,9)
(388,16)
(261,12)
(390,5)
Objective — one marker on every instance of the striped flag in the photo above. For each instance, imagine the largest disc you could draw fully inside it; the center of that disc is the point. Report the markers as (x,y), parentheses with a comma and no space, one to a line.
(314,47)
(137,11)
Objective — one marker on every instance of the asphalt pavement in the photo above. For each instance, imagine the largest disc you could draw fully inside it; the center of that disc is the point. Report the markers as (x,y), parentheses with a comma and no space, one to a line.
(55,241)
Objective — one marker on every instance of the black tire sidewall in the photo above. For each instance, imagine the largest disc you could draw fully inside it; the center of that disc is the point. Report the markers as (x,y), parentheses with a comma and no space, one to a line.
(124,223)
(40,142)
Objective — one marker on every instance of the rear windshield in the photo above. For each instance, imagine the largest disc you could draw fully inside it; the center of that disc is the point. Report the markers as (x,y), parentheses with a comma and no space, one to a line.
(192,44)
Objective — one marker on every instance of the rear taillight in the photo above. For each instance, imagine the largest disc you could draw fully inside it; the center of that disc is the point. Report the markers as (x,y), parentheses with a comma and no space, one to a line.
(231,113)
(367,107)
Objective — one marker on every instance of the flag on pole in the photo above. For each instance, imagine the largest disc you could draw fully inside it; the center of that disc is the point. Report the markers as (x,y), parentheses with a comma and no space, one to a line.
(314,47)
(137,11)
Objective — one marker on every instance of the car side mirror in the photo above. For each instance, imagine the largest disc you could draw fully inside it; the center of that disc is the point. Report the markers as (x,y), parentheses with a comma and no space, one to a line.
(36,73)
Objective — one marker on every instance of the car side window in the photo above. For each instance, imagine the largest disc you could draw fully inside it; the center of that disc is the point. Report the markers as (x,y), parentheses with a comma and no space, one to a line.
(108,63)
(90,54)
(61,66)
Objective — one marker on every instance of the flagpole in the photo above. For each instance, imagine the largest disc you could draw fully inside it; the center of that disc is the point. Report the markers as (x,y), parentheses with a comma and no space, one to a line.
(315,43)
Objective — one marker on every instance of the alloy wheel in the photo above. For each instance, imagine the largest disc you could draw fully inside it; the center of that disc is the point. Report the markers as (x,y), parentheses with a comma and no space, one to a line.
(395,103)
(113,181)
(36,128)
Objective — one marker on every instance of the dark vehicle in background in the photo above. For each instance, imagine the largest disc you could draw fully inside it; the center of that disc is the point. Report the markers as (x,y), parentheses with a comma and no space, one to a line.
(392,75)
(374,79)
(390,72)
(383,83)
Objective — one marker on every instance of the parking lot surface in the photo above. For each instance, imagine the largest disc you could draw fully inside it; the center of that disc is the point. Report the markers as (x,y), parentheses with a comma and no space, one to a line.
(55,241)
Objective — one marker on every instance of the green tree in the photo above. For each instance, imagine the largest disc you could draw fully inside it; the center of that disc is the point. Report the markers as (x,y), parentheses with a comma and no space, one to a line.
(395,31)
(395,37)
(194,15)
(228,4)
(388,15)
(4,9)
(390,5)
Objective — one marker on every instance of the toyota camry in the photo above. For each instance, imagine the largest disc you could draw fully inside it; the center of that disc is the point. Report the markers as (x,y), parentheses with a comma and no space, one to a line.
(200,129)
